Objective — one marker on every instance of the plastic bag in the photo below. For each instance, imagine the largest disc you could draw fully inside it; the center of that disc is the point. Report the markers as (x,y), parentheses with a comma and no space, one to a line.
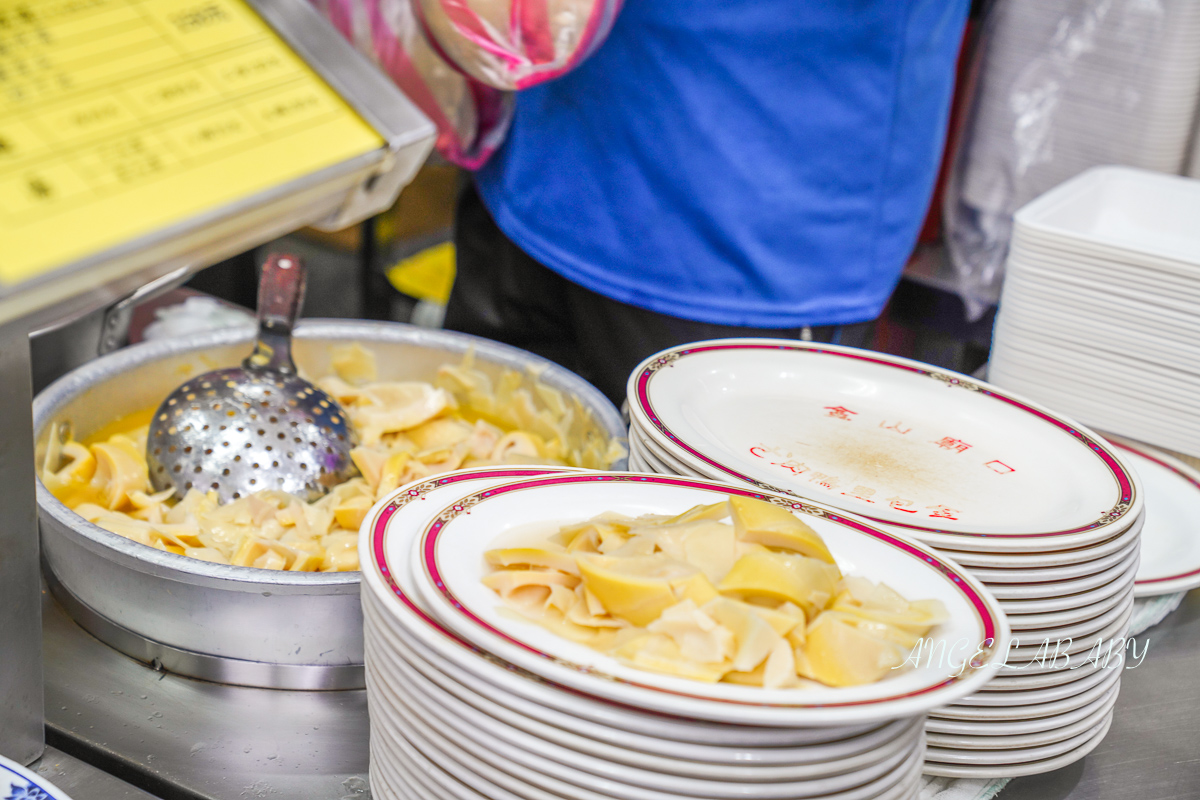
(515,44)
(1061,86)
(471,118)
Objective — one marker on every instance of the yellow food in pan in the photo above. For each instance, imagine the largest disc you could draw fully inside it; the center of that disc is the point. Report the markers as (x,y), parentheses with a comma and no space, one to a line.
(758,602)
(406,431)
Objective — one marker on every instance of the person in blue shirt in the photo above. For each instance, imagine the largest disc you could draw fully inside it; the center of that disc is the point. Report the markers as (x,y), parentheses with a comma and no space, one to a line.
(718,168)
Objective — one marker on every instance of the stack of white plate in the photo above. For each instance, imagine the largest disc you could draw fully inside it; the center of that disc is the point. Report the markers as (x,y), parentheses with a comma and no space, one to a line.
(1035,506)
(1100,313)
(468,702)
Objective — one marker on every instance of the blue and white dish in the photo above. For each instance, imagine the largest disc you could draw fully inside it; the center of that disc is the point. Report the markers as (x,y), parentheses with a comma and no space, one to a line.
(18,783)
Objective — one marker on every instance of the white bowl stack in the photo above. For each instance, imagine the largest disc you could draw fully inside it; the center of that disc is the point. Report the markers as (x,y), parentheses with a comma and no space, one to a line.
(1038,508)
(468,702)
(1100,313)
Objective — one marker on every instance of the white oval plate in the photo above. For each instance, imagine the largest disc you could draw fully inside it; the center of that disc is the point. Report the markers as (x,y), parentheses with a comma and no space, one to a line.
(1032,711)
(992,577)
(403,513)
(19,783)
(399,663)
(451,554)
(1074,647)
(479,767)
(1014,739)
(1171,536)
(1015,727)
(657,457)
(1014,770)
(1036,591)
(896,440)
(1052,619)
(1078,630)
(1043,679)
(548,757)
(1005,696)
(1120,541)
(1081,600)
(1003,757)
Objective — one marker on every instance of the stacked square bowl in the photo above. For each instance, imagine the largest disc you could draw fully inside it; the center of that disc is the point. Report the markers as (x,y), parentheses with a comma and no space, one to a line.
(1039,509)
(470,702)
(1100,313)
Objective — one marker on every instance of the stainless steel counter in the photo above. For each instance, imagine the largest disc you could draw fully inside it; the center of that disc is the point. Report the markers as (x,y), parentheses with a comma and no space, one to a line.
(186,739)
(180,738)
(81,780)
(1152,751)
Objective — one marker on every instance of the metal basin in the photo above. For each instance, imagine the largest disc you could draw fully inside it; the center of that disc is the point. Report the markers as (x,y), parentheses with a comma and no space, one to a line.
(236,624)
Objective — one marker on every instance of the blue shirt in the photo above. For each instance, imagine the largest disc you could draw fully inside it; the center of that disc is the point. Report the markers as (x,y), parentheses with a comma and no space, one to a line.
(742,162)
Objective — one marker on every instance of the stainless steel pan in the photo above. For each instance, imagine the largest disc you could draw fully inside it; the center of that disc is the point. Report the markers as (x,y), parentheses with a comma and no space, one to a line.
(236,624)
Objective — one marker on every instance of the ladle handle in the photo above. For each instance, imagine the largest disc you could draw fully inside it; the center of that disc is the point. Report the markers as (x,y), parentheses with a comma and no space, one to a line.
(280,296)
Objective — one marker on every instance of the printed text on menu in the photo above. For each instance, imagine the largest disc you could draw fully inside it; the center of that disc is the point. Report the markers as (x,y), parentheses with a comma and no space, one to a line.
(120,117)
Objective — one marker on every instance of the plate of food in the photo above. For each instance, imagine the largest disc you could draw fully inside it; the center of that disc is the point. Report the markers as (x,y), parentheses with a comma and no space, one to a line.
(705,600)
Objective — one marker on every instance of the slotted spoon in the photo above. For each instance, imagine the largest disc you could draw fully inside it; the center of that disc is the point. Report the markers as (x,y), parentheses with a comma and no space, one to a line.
(260,426)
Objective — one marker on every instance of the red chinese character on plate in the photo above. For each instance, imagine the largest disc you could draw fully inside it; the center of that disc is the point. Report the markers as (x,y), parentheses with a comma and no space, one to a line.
(793,466)
(900,504)
(863,493)
(947,443)
(895,427)
(838,412)
(823,480)
(999,467)
(943,512)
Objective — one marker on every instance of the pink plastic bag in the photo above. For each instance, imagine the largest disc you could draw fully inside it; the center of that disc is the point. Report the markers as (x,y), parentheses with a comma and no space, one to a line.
(471,118)
(515,44)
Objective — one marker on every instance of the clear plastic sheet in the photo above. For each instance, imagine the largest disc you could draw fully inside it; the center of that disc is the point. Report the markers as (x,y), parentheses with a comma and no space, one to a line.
(471,118)
(515,44)
(1060,86)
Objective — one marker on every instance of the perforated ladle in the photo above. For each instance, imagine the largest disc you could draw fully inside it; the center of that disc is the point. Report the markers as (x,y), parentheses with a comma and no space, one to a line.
(260,426)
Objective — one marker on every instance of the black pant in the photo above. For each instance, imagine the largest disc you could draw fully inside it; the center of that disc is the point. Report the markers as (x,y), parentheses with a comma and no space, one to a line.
(502,293)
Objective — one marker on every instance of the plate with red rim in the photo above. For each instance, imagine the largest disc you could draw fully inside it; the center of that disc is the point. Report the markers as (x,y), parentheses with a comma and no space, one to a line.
(948,459)
(449,552)
(1171,536)
(400,515)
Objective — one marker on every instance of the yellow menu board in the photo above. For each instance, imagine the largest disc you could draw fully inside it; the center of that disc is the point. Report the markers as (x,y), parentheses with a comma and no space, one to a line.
(120,117)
